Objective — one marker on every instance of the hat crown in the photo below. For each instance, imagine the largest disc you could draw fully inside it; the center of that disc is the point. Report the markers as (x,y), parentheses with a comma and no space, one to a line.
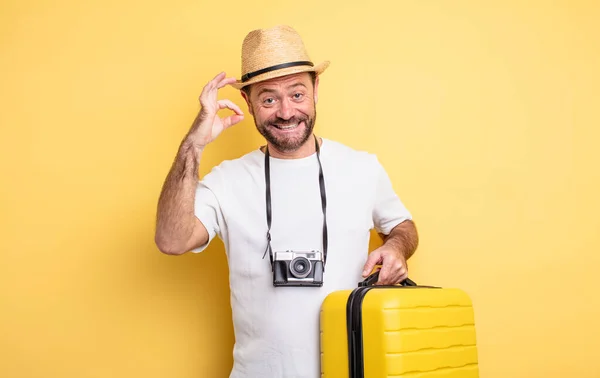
(269,47)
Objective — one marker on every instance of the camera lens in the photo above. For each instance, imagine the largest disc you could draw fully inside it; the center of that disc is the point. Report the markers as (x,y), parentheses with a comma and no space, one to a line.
(300,267)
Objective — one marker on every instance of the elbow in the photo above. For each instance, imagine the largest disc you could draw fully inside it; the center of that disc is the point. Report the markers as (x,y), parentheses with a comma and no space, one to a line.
(169,247)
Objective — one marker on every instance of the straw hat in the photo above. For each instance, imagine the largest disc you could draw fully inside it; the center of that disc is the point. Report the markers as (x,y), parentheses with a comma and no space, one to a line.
(274,52)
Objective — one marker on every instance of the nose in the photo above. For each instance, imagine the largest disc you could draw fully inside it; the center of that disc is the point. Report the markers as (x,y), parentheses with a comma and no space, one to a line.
(286,109)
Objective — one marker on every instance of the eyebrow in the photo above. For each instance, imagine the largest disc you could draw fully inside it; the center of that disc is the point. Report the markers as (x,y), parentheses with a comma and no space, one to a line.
(297,85)
(268,90)
(265,90)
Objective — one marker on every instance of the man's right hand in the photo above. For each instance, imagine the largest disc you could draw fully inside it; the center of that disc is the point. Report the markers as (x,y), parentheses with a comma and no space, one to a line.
(207,125)
(178,230)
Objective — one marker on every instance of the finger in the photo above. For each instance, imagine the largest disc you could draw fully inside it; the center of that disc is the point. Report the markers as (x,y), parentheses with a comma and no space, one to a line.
(210,91)
(387,273)
(227,104)
(211,85)
(383,275)
(373,259)
(401,274)
(404,272)
(224,82)
(215,80)
(232,120)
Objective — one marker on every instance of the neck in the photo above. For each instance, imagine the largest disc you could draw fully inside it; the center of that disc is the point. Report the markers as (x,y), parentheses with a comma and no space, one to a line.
(307,149)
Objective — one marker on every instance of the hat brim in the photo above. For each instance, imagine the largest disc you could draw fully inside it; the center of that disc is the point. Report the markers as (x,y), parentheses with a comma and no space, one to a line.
(318,69)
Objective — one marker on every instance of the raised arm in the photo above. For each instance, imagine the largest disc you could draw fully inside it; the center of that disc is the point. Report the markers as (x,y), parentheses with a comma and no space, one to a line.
(178,230)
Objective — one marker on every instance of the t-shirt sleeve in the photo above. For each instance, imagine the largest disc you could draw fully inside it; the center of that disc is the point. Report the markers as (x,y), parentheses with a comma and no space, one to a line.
(208,211)
(388,209)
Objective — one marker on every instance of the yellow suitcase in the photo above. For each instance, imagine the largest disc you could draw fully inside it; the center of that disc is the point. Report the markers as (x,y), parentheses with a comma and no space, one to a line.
(404,331)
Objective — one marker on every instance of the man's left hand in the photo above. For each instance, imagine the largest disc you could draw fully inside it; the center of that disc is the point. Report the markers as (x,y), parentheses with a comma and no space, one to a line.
(393,270)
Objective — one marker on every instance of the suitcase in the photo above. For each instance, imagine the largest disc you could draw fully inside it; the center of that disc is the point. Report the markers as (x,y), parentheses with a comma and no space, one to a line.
(401,331)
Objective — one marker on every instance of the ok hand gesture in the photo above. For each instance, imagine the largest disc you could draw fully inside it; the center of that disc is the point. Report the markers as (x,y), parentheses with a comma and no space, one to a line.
(207,125)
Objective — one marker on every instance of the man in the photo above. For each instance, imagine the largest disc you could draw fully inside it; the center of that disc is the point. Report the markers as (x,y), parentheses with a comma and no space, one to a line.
(299,193)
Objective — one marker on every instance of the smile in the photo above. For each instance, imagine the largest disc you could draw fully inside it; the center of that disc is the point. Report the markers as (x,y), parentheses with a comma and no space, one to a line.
(287,127)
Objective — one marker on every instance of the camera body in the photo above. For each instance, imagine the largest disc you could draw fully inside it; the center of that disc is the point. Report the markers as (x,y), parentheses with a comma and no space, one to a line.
(298,268)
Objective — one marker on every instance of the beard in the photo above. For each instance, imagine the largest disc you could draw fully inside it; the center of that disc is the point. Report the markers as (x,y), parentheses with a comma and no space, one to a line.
(286,143)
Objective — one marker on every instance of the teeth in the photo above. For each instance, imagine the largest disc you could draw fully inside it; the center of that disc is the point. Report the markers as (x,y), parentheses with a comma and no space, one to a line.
(287,127)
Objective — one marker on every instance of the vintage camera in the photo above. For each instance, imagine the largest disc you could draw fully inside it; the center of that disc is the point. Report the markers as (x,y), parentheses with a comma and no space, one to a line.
(294,268)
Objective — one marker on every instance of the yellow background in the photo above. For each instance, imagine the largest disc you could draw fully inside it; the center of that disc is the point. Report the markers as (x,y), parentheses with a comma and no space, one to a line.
(486,115)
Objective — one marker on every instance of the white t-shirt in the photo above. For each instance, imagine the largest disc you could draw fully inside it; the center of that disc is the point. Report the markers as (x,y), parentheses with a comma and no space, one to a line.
(277,328)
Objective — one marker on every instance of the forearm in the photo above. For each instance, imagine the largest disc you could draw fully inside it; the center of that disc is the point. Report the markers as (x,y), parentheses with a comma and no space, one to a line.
(403,238)
(175,213)
(177,227)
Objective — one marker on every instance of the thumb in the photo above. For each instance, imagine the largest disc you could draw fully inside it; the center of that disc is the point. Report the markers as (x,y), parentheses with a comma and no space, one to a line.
(372,260)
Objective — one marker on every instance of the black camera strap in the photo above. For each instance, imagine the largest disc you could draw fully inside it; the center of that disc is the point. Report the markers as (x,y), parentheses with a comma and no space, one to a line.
(323,203)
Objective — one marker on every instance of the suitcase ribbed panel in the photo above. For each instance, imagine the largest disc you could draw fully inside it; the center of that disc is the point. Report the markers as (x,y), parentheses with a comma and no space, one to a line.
(419,318)
(419,333)
(429,360)
(436,337)
(468,371)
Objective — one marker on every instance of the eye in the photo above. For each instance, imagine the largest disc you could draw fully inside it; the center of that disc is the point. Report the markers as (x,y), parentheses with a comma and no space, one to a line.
(269,101)
(298,96)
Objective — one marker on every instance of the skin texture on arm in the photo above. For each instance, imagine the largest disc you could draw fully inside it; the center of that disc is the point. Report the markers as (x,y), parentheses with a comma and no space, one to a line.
(178,230)
(397,248)
(404,239)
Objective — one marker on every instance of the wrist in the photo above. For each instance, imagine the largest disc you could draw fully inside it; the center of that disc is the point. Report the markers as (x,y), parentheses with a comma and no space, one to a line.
(191,147)
(396,246)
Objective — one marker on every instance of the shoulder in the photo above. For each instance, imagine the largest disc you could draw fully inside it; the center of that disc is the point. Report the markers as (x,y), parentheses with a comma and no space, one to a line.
(343,155)
(230,172)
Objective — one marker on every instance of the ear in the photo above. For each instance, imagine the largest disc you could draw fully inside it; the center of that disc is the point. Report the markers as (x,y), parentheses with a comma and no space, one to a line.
(316,90)
(247,102)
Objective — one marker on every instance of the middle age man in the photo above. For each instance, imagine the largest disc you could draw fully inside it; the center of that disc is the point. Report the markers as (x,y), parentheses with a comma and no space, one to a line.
(295,215)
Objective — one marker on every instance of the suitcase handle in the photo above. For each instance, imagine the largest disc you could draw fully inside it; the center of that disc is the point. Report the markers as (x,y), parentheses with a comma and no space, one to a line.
(372,279)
